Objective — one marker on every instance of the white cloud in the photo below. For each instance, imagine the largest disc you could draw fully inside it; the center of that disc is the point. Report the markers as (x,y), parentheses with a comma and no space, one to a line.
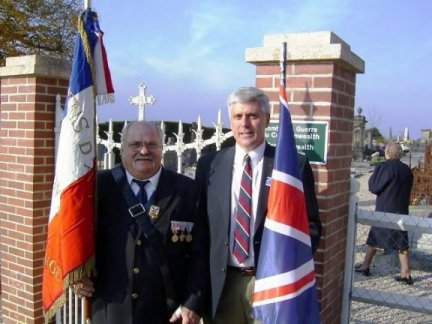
(216,36)
(202,24)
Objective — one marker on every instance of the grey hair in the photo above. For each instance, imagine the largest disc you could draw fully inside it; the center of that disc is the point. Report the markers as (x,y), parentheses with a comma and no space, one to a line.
(248,95)
(125,130)
(393,151)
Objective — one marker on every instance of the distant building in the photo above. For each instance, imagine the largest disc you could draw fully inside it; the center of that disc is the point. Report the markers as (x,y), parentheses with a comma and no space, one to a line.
(406,135)
(426,135)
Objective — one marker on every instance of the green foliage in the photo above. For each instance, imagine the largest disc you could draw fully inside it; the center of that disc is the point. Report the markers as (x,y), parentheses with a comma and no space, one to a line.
(376,160)
(376,135)
(38,27)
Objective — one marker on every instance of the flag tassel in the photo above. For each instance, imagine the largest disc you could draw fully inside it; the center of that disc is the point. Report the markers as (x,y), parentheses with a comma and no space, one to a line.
(69,279)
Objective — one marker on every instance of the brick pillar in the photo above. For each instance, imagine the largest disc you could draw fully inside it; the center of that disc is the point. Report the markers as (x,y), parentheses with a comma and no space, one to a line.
(29,85)
(321,79)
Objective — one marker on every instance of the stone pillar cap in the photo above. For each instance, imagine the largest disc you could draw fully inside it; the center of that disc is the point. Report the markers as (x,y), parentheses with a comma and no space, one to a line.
(311,46)
(38,65)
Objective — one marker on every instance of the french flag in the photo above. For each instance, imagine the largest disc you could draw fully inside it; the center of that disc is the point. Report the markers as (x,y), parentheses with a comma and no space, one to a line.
(285,290)
(70,247)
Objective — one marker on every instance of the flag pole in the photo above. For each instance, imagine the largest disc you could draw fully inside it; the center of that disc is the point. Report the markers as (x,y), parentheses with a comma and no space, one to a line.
(283,64)
(86,303)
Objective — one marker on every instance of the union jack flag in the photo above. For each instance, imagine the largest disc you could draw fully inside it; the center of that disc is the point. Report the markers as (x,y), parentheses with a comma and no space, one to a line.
(285,289)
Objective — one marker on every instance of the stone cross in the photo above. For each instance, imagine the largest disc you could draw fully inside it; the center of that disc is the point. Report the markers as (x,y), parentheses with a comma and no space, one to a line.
(141,100)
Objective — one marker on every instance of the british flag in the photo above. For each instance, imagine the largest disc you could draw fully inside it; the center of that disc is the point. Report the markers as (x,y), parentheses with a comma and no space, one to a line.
(285,290)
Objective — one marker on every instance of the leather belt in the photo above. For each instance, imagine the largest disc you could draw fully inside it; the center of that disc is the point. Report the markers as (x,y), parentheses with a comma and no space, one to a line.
(247,272)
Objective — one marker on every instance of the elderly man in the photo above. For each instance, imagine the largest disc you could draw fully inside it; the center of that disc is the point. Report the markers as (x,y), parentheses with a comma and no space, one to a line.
(150,246)
(234,249)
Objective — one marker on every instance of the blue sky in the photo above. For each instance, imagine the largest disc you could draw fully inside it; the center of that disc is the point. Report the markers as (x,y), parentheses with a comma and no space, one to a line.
(191,53)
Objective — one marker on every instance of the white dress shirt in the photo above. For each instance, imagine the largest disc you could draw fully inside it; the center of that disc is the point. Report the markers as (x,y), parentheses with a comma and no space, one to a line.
(150,187)
(257,163)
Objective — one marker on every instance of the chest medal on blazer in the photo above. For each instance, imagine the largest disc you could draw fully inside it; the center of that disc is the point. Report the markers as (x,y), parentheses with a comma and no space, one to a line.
(181,231)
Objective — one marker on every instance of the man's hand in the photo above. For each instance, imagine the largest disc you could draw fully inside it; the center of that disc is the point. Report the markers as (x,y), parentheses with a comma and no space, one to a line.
(83,288)
(186,315)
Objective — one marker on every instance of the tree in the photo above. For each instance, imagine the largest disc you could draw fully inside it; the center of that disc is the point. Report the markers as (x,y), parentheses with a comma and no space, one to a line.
(38,27)
(373,118)
(376,134)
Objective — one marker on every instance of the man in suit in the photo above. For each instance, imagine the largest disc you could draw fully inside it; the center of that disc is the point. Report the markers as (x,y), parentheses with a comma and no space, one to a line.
(220,178)
(151,259)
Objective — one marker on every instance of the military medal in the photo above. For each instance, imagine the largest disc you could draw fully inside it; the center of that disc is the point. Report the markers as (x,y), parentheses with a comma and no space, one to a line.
(154,212)
(182,237)
(182,229)
(189,232)
(174,228)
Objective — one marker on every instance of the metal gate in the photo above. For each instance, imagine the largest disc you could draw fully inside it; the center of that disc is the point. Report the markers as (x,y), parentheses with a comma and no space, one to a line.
(381,289)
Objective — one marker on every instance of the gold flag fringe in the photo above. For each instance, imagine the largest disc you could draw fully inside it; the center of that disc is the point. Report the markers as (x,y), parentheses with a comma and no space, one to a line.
(50,313)
(73,276)
(86,44)
(100,98)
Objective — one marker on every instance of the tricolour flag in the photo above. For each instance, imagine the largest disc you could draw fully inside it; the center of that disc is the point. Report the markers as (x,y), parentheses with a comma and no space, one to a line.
(285,289)
(69,251)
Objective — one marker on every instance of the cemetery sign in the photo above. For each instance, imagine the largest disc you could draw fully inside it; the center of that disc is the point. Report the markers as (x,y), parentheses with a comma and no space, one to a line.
(310,137)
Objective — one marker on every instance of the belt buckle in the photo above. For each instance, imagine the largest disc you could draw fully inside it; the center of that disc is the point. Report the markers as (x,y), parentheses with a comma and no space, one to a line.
(137,210)
(247,271)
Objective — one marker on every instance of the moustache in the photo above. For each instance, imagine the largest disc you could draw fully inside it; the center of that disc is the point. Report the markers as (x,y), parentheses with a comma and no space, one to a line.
(146,157)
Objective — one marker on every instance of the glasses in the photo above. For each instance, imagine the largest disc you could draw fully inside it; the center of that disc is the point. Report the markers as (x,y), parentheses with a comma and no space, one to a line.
(150,146)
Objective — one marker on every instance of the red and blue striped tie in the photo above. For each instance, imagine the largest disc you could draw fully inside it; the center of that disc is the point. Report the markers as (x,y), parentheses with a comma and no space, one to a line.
(243,214)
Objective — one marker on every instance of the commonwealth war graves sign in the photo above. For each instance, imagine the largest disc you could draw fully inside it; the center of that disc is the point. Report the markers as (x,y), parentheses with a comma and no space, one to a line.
(310,136)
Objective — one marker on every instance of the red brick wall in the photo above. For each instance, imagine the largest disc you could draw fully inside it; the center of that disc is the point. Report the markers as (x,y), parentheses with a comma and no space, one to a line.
(323,91)
(26,174)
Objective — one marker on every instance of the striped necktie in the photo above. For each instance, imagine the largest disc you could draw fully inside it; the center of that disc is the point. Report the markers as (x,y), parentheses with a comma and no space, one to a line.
(243,214)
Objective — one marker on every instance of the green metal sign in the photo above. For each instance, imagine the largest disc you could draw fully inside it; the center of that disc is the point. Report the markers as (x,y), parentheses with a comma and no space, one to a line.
(310,137)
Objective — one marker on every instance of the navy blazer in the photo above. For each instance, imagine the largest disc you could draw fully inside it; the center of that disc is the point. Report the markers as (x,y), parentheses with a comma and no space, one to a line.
(214,176)
(392,181)
(175,195)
